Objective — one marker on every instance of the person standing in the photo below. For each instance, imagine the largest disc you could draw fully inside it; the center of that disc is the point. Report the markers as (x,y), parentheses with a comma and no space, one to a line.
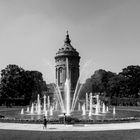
(44,123)
(64,118)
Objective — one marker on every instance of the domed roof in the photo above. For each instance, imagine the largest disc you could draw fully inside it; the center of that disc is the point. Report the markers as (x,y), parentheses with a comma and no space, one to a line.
(67,48)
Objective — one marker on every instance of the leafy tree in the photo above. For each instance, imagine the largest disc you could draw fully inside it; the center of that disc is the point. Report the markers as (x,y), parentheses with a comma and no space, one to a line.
(98,83)
(18,83)
(126,84)
(100,80)
(37,84)
(132,76)
(10,81)
(116,86)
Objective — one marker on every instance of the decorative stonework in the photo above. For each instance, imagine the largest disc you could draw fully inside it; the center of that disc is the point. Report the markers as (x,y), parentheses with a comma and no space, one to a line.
(67,51)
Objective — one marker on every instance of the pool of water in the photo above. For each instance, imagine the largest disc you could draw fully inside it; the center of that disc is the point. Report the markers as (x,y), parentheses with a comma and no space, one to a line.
(120,113)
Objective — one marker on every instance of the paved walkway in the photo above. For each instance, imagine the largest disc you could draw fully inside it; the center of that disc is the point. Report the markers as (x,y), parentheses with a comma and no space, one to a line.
(61,127)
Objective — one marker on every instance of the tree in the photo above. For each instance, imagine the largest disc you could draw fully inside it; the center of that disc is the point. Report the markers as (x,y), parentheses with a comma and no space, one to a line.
(98,83)
(37,83)
(10,81)
(18,83)
(100,80)
(116,86)
(132,77)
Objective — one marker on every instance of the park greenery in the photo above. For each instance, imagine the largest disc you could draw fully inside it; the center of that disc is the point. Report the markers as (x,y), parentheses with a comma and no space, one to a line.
(124,85)
(24,85)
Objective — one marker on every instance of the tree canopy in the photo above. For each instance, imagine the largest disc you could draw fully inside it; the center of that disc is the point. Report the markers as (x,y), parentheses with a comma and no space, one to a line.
(16,82)
(124,84)
(19,83)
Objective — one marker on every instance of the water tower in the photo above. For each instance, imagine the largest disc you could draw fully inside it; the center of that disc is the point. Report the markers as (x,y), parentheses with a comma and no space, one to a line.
(67,54)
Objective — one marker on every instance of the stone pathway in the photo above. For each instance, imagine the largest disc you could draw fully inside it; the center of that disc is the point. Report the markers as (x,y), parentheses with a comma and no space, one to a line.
(61,127)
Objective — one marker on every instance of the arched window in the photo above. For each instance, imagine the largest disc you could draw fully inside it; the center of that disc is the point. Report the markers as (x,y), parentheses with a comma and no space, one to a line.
(56,73)
(60,72)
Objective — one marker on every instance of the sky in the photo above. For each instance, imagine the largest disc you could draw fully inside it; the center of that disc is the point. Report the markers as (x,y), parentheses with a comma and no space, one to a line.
(106,32)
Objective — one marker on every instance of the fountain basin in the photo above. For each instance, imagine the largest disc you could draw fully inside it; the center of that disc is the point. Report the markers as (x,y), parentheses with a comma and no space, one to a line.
(122,114)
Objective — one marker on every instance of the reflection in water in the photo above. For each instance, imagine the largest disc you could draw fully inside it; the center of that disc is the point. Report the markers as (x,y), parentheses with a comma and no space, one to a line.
(38,117)
(76,114)
(32,117)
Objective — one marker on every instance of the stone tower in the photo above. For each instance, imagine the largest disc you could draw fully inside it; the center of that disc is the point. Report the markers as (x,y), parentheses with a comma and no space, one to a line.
(73,58)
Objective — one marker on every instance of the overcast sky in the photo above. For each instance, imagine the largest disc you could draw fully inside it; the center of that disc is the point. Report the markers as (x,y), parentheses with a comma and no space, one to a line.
(104,31)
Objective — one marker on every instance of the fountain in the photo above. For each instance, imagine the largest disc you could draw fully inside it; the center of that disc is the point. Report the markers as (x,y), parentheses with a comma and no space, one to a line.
(35,108)
(48,99)
(83,110)
(67,61)
(28,110)
(86,101)
(65,103)
(32,109)
(67,74)
(38,105)
(99,107)
(51,111)
(90,106)
(79,107)
(103,108)
(96,110)
(68,81)
(46,113)
(67,92)
(114,110)
(22,111)
(107,110)
(44,108)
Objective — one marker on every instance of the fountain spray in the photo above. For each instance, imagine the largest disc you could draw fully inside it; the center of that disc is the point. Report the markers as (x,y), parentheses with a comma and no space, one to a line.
(67,90)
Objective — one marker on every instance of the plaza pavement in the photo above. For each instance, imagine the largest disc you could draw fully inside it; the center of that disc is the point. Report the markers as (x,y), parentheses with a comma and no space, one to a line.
(62,127)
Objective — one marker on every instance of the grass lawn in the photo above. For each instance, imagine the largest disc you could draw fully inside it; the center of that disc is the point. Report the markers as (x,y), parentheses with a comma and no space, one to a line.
(44,135)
